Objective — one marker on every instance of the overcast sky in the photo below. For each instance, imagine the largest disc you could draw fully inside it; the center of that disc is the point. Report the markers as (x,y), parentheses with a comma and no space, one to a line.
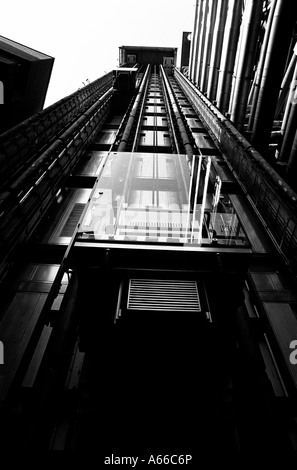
(84,36)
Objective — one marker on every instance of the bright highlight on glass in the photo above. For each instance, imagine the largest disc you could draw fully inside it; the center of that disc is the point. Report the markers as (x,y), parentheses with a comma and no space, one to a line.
(155,198)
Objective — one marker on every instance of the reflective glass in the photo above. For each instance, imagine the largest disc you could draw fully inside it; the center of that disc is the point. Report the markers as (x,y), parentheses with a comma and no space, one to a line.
(156,198)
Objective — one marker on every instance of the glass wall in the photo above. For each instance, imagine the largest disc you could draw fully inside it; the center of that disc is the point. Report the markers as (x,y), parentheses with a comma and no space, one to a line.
(156,198)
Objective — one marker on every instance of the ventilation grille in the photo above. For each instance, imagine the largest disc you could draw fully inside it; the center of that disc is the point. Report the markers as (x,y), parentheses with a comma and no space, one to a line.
(72,221)
(163,295)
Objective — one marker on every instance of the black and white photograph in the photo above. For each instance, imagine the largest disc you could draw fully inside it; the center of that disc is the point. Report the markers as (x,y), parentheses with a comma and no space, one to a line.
(148,240)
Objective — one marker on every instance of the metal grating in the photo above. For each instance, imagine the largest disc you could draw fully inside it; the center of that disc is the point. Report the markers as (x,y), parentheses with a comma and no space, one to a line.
(163,295)
(72,221)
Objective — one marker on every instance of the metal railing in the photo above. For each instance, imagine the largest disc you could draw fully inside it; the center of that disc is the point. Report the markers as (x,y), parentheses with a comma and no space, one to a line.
(26,200)
(21,145)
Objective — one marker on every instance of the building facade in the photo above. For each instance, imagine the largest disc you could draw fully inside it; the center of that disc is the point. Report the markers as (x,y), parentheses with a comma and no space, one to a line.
(148,271)
(24,75)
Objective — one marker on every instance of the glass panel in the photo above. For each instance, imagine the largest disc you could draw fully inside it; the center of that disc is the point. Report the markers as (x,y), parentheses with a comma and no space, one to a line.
(155,198)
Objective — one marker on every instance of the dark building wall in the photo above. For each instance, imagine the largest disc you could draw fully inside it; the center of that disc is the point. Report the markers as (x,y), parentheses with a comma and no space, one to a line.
(185,51)
(147,55)
(25,75)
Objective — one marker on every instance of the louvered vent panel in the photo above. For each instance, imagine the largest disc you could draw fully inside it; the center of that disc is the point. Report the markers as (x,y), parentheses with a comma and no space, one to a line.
(163,295)
(72,221)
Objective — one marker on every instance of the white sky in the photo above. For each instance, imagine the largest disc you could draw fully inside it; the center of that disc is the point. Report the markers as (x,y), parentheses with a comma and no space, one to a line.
(84,36)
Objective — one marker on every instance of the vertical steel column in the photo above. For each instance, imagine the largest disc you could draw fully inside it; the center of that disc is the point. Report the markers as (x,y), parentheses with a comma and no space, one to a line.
(229,53)
(290,120)
(197,40)
(291,171)
(284,20)
(237,57)
(208,44)
(260,66)
(201,42)
(215,58)
(250,33)
(196,174)
(183,132)
(290,97)
(133,113)
(208,165)
(193,49)
(285,85)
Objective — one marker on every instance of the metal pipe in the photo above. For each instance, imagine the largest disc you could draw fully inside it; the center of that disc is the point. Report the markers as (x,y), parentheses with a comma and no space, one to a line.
(290,95)
(190,194)
(185,138)
(197,174)
(127,131)
(201,42)
(138,128)
(22,144)
(193,49)
(197,40)
(216,52)
(208,44)
(291,169)
(204,198)
(282,27)
(251,92)
(236,63)
(289,101)
(285,86)
(175,144)
(260,66)
(249,168)
(290,124)
(250,32)
(228,54)
(26,201)
(59,145)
